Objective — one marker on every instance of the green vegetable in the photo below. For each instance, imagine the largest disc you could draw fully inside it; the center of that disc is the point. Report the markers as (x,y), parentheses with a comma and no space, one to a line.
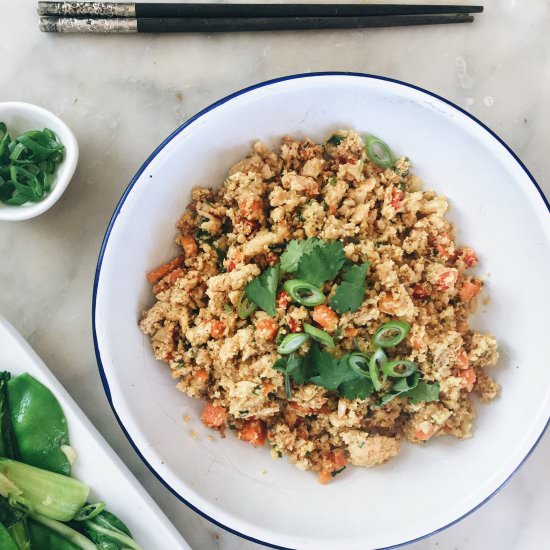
(359,363)
(304,293)
(350,292)
(378,152)
(331,372)
(423,392)
(376,361)
(39,424)
(6,542)
(43,538)
(8,443)
(90,511)
(319,335)
(415,389)
(262,290)
(291,342)
(227,308)
(108,532)
(288,367)
(390,368)
(322,263)
(27,165)
(295,250)
(58,533)
(47,493)
(390,334)
(335,140)
(360,388)
(245,307)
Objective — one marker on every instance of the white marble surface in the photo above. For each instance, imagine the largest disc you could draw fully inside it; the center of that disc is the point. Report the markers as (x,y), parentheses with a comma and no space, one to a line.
(122,95)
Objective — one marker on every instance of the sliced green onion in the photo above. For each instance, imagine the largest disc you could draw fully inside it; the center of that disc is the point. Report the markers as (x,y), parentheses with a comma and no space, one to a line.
(378,152)
(304,293)
(291,342)
(375,364)
(90,511)
(401,386)
(245,307)
(319,335)
(406,384)
(390,368)
(359,363)
(390,334)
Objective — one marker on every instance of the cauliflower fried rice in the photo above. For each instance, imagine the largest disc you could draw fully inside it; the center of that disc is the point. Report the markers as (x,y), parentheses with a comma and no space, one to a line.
(417,275)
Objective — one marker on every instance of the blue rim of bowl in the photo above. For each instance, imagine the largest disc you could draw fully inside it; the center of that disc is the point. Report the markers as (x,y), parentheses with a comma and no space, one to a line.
(121,203)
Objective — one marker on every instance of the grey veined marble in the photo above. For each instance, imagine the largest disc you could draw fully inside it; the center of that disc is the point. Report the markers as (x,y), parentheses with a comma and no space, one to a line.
(123,94)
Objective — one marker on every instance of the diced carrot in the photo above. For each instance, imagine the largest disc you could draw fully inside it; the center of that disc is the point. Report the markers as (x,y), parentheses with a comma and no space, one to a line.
(338,458)
(468,256)
(468,378)
(213,416)
(469,290)
(335,461)
(201,375)
(189,245)
(267,386)
(350,331)
(425,432)
(447,279)
(325,317)
(462,361)
(267,329)
(283,299)
(217,329)
(325,477)
(162,270)
(254,432)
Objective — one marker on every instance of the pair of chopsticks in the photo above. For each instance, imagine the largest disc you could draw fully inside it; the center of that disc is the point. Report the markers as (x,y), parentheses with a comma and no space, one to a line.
(114,17)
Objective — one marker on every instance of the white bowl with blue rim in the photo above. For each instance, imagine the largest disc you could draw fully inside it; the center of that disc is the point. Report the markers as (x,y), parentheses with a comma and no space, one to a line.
(498,209)
(21,117)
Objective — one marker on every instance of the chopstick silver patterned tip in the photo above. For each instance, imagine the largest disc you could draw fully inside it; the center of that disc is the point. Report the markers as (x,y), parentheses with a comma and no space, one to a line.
(88,26)
(87,9)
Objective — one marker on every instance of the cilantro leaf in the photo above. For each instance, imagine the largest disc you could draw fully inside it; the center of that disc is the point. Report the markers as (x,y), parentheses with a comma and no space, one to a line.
(335,140)
(322,263)
(424,392)
(350,292)
(295,250)
(331,372)
(295,367)
(262,290)
(360,388)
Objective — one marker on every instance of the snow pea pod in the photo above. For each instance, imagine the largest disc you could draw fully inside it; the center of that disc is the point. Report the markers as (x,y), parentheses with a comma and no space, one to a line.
(39,424)
(6,542)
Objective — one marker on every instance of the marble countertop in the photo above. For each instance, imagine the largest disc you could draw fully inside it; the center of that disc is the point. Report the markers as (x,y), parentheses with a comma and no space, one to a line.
(123,94)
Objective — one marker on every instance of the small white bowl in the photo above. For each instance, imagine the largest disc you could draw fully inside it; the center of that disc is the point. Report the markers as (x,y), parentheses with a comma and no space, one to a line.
(21,117)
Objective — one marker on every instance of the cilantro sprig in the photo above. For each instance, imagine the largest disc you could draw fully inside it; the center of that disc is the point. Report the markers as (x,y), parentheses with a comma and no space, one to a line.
(263,290)
(322,263)
(294,252)
(351,291)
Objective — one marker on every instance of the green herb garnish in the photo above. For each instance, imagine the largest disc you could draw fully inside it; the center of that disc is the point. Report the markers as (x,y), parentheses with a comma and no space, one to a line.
(335,140)
(263,289)
(295,250)
(322,263)
(350,292)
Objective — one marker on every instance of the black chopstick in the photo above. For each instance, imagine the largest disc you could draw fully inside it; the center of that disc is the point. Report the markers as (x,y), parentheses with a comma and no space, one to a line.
(194,10)
(168,25)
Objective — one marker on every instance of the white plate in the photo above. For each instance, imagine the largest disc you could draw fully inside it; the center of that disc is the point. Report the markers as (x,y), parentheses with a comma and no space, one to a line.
(97,465)
(498,210)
